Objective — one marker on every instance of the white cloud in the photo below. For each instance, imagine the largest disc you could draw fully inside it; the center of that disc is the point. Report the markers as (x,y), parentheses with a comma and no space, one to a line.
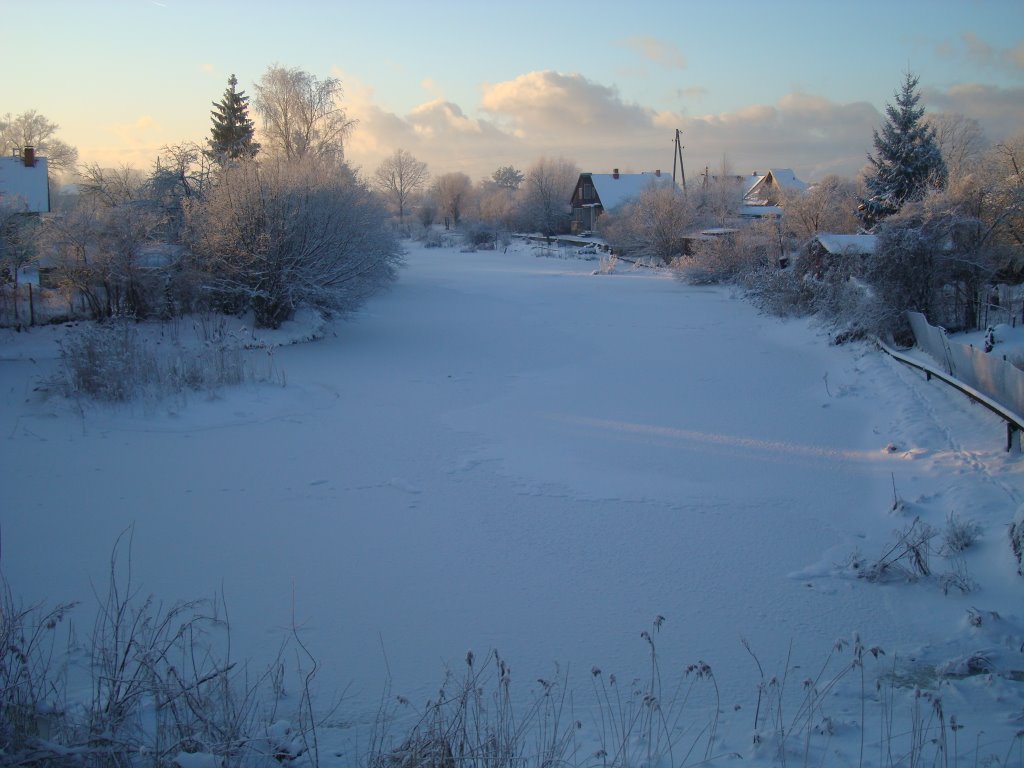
(999,110)
(660,52)
(555,114)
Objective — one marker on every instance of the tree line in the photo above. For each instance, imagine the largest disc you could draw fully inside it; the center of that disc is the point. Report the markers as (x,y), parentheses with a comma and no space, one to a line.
(942,211)
(271,224)
(236,225)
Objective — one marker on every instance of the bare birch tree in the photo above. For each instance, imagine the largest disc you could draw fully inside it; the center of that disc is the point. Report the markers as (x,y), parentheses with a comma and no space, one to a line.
(301,114)
(30,129)
(547,191)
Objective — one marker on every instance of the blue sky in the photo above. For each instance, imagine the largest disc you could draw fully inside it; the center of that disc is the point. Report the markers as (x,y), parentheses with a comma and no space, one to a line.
(469,86)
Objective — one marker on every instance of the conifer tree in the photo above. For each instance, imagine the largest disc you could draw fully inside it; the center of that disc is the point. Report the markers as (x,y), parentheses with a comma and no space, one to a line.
(232,132)
(907,159)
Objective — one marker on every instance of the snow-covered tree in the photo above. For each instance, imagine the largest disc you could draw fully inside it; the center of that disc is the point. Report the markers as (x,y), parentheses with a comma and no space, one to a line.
(546,194)
(231,135)
(274,236)
(398,178)
(17,246)
(960,139)
(508,177)
(451,192)
(907,160)
(100,245)
(827,206)
(30,129)
(301,115)
(905,270)
(652,226)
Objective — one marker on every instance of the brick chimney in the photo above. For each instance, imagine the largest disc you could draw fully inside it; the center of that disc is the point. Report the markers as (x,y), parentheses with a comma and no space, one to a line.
(28,156)
(615,173)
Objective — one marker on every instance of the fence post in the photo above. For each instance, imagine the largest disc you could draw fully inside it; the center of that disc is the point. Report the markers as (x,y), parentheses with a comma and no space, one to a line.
(1012,437)
(31,307)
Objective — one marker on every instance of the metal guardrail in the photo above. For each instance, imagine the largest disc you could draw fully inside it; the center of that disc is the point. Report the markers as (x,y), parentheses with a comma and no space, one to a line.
(1014,422)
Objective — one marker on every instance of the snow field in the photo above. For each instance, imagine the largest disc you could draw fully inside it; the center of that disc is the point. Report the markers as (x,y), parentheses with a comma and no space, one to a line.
(510,453)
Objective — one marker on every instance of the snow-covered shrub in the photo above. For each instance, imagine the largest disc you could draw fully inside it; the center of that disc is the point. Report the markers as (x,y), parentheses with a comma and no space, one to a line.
(608,264)
(158,682)
(475,720)
(276,236)
(780,292)
(107,361)
(434,238)
(1017,539)
(907,559)
(114,362)
(958,535)
(478,237)
(31,676)
(734,255)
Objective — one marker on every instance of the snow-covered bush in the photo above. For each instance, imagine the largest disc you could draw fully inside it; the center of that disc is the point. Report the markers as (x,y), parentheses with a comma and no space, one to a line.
(1017,539)
(475,720)
(107,361)
(733,256)
(780,292)
(906,559)
(274,236)
(478,237)
(959,534)
(157,682)
(30,675)
(113,361)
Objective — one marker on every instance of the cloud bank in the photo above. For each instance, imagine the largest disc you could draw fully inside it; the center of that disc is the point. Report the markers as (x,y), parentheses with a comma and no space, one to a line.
(548,113)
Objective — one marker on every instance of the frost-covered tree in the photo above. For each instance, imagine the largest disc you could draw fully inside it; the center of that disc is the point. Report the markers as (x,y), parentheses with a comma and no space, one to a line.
(30,129)
(908,269)
(451,192)
(100,246)
(274,236)
(907,160)
(231,135)
(508,177)
(652,226)
(546,195)
(828,206)
(960,139)
(398,178)
(301,114)
(17,246)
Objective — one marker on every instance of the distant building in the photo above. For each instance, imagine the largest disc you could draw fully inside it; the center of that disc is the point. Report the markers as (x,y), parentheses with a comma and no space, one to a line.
(596,193)
(826,250)
(770,188)
(24,182)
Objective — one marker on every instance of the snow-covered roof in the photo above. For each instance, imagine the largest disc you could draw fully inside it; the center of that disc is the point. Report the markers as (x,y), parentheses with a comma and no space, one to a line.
(760,211)
(780,178)
(786,179)
(751,181)
(615,189)
(24,187)
(847,245)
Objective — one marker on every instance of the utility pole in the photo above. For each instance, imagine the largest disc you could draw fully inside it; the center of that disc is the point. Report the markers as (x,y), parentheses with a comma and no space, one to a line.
(678,156)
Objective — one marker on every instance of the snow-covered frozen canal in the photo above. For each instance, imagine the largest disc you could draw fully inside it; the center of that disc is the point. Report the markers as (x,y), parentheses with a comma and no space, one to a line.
(510,452)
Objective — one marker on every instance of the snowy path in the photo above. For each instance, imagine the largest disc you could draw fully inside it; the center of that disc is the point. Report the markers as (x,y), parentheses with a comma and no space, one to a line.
(510,453)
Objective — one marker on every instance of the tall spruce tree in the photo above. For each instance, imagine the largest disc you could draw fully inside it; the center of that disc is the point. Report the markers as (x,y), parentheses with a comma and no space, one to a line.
(232,132)
(907,159)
